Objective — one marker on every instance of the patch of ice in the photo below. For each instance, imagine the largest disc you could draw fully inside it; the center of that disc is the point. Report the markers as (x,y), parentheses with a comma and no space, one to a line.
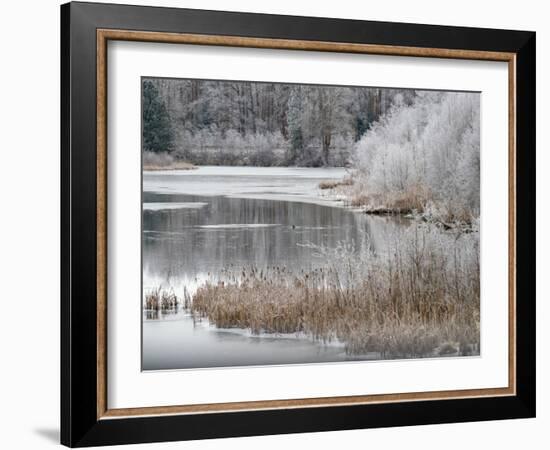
(239,225)
(173,205)
(246,332)
(291,184)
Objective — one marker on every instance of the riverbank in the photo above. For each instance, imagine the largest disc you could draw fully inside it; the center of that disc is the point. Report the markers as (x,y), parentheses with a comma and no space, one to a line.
(174,165)
(415,203)
(164,161)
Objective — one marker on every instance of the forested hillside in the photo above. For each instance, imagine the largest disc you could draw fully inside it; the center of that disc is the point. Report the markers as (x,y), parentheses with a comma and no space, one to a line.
(407,150)
(260,124)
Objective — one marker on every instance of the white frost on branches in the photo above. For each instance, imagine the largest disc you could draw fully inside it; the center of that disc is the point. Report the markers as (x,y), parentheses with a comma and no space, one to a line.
(431,146)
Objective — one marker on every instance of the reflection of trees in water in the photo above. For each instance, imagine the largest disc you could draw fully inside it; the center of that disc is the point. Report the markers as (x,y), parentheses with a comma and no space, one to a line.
(175,243)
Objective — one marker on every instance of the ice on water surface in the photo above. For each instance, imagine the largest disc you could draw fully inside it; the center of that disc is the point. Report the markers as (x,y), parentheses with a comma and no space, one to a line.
(271,183)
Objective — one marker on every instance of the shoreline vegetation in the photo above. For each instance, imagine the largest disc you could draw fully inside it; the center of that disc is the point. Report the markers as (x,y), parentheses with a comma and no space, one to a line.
(176,165)
(164,161)
(420,160)
(419,298)
(414,205)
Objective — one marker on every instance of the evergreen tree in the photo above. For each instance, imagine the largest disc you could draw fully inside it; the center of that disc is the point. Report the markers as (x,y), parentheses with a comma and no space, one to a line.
(158,135)
(360,126)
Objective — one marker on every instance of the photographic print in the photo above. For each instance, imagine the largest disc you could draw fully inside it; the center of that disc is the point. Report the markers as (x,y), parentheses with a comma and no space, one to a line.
(296,224)
(295,215)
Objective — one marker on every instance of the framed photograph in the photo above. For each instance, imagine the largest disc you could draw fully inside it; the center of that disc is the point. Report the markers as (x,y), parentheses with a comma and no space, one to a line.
(277,224)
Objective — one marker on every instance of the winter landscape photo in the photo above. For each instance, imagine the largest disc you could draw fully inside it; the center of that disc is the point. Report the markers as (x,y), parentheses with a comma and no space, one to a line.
(296,224)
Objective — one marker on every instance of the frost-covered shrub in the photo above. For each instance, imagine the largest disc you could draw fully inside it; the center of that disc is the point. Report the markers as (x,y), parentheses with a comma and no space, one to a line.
(431,146)
(215,146)
(342,144)
(151,159)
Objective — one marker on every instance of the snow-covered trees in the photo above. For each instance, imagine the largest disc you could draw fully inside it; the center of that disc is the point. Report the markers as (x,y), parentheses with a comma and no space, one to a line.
(411,149)
(312,125)
(294,119)
(428,149)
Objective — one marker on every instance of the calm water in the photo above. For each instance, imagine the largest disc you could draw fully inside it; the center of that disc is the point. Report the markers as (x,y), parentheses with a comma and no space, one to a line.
(196,223)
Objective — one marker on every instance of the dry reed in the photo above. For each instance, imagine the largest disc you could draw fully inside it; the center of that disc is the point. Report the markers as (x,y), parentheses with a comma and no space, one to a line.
(418,298)
(176,165)
(161,299)
(332,184)
(418,200)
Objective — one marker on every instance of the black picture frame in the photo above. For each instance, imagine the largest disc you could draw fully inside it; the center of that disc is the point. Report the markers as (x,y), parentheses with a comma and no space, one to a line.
(80,425)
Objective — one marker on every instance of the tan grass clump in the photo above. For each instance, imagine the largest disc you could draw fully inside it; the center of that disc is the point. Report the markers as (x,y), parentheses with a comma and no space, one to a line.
(332,184)
(420,299)
(161,299)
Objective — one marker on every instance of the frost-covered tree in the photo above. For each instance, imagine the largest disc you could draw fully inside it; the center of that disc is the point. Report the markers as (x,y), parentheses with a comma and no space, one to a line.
(315,123)
(294,117)
(428,150)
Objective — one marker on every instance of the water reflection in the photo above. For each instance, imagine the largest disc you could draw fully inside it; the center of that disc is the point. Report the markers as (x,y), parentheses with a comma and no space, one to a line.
(183,246)
(161,314)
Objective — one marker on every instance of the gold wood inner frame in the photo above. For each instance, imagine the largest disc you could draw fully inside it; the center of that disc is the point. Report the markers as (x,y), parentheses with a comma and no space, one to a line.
(103,36)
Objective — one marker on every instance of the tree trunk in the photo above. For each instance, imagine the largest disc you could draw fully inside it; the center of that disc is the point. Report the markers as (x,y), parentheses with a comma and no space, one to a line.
(326,146)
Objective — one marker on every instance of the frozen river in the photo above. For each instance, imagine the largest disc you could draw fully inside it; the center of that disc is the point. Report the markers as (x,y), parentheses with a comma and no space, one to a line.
(199,222)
